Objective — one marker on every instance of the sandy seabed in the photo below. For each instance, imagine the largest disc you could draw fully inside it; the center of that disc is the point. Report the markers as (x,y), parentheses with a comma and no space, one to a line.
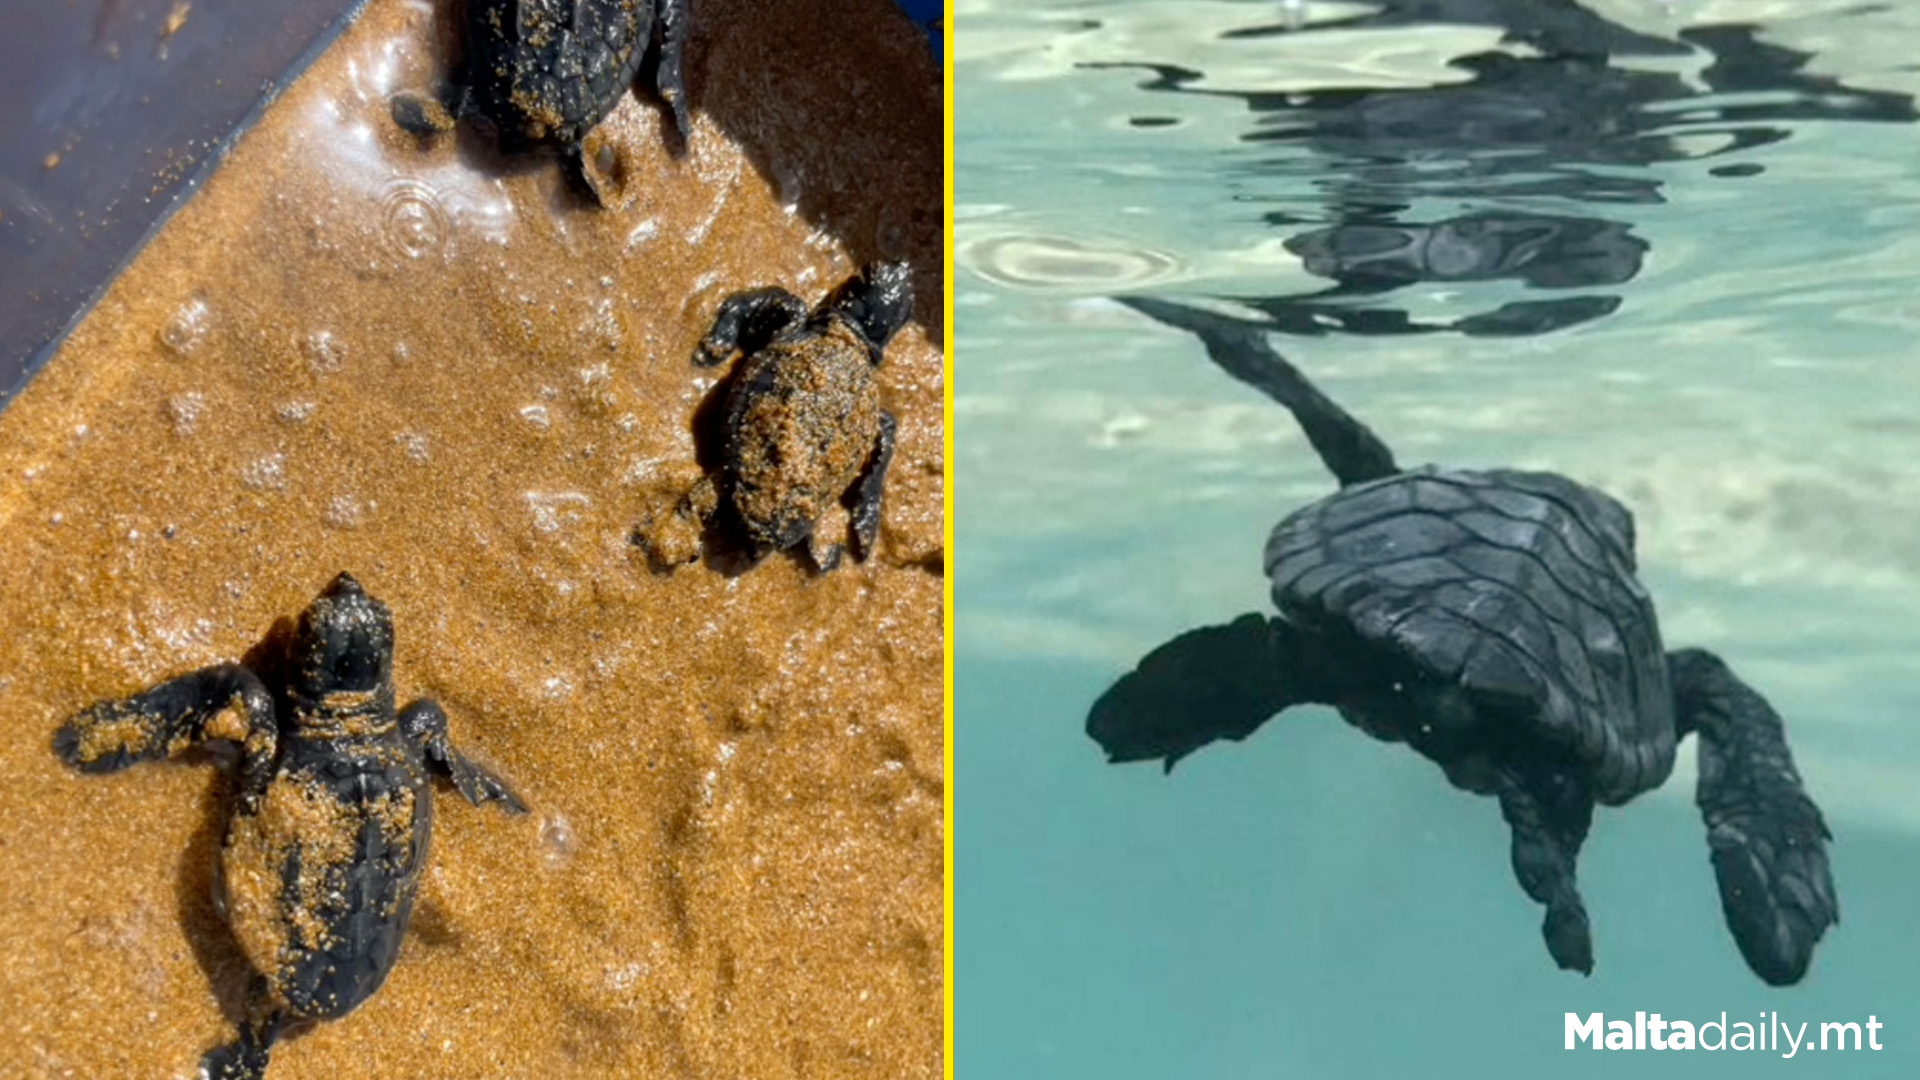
(455,376)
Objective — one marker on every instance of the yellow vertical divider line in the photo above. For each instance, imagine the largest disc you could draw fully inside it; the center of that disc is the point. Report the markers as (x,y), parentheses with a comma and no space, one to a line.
(946,491)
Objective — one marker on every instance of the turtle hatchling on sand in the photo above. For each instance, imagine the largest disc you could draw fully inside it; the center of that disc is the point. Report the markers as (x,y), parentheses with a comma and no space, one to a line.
(549,70)
(803,424)
(329,829)
(1491,620)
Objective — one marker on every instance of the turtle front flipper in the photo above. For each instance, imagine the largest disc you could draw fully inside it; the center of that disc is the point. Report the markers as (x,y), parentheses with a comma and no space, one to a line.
(1549,813)
(1216,682)
(747,322)
(222,702)
(1351,451)
(1768,839)
(669,79)
(424,723)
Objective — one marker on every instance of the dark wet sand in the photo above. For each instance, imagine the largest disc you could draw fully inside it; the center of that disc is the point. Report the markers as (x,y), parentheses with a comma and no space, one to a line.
(455,377)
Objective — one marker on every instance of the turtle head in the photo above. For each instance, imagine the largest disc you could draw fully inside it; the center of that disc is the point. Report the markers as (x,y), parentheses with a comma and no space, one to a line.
(344,642)
(878,302)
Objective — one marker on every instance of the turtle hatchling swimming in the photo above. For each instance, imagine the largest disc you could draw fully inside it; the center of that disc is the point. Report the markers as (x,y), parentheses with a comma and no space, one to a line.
(1491,620)
(333,808)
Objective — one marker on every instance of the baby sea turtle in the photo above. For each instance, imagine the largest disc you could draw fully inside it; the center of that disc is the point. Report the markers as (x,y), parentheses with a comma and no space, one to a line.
(803,427)
(1491,620)
(329,829)
(549,70)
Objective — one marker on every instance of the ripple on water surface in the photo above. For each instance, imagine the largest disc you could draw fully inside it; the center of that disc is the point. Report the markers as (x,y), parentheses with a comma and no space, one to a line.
(1068,264)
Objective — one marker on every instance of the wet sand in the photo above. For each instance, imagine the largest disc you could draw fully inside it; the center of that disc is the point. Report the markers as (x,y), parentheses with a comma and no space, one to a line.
(455,376)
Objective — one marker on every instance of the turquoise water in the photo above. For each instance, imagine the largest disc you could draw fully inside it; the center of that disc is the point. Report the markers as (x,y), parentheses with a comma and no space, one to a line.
(1718,321)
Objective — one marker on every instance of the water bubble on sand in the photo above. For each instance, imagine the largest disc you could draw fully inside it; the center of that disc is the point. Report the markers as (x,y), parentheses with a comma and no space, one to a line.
(294,412)
(415,446)
(413,222)
(324,352)
(641,469)
(536,415)
(185,411)
(624,976)
(602,325)
(556,688)
(186,328)
(346,512)
(556,840)
(265,474)
(596,389)
(555,510)
(642,233)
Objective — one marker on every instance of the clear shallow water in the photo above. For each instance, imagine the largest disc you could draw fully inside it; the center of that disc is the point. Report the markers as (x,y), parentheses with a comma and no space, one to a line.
(1689,275)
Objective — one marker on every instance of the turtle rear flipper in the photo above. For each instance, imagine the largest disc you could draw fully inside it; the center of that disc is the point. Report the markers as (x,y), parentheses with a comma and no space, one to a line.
(246,1057)
(1216,682)
(1768,839)
(1350,449)
(1549,812)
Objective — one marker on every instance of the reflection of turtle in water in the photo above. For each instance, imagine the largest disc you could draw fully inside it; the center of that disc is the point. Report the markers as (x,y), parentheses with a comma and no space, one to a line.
(1491,620)
(1542,251)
